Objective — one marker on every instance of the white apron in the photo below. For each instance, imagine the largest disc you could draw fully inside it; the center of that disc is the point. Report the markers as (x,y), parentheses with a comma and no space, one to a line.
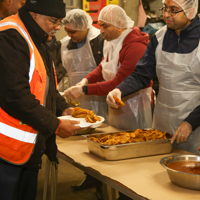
(135,114)
(110,64)
(137,110)
(179,91)
(78,63)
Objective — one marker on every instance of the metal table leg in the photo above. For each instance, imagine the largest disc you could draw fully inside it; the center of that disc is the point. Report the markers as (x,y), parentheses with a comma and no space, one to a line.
(53,176)
(46,178)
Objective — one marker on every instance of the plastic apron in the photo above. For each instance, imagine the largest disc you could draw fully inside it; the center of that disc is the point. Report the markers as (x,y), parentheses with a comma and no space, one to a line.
(179,91)
(137,110)
(78,63)
(110,64)
(135,114)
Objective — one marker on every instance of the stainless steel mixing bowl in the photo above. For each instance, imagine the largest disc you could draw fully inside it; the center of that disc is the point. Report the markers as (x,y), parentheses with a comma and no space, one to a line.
(182,179)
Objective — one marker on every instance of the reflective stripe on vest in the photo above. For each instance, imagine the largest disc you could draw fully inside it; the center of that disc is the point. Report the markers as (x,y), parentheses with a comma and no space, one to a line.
(17,140)
(32,61)
(17,134)
(11,131)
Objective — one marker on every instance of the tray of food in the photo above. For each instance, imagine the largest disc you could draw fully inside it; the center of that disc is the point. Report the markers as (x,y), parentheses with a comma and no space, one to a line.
(129,144)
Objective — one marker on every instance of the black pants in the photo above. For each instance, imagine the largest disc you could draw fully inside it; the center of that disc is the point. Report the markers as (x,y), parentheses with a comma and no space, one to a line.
(17,183)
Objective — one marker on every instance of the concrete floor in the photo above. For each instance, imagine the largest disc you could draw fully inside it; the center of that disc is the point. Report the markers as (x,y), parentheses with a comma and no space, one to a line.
(67,175)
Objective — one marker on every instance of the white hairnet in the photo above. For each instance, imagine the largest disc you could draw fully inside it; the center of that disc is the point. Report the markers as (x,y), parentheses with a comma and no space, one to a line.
(77,19)
(190,7)
(116,16)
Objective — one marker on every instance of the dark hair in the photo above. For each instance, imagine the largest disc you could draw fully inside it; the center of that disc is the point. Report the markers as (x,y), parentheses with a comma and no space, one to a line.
(1,1)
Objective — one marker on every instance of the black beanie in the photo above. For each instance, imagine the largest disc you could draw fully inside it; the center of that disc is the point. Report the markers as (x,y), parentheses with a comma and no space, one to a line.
(52,8)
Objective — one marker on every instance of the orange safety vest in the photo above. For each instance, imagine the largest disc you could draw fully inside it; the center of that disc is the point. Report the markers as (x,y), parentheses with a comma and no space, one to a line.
(17,140)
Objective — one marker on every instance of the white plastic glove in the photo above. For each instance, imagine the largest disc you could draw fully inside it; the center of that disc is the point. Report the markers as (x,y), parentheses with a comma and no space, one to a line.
(74,92)
(83,82)
(110,100)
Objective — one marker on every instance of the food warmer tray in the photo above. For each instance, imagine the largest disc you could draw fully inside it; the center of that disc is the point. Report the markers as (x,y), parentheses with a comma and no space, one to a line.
(128,150)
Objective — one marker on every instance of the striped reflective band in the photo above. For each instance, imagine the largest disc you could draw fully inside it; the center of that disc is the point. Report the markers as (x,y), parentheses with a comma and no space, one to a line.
(32,61)
(17,134)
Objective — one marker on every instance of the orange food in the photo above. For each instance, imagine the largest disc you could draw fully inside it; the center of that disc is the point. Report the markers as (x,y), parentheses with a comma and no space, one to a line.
(89,115)
(138,135)
(79,112)
(118,102)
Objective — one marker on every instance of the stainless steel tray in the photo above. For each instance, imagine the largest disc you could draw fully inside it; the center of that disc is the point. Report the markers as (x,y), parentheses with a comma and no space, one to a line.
(129,150)
(85,131)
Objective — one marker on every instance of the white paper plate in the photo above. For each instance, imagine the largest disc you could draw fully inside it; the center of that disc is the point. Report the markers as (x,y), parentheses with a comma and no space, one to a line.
(83,123)
(62,93)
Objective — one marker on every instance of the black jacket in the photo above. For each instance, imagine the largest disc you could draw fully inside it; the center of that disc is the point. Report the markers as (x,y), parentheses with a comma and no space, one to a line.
(55,49)
(15,96)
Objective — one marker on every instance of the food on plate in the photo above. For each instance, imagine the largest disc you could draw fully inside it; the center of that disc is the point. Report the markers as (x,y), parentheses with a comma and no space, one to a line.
(118,102)
(138,135)
(89,115)
(79,112)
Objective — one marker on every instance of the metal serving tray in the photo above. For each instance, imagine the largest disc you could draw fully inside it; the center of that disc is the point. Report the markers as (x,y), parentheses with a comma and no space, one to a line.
(129,150)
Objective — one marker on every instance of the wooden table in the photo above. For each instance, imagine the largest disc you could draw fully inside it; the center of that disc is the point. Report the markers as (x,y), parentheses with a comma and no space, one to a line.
(138,178)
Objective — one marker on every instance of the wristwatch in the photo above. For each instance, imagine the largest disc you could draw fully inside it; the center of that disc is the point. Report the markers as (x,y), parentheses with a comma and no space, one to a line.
(85,89)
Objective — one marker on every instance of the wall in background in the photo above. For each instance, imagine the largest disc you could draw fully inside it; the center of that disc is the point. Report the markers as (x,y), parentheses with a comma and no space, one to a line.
(155,5)
(130,6)
(70,4)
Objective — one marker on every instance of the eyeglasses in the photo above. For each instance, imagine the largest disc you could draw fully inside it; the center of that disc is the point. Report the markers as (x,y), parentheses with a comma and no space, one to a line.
(170,11)
(55,22)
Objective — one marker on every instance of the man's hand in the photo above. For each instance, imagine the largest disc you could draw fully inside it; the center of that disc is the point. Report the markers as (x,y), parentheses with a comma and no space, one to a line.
(74,92)
(83,82)
(110,100)
(68,128)
(68,111)
(182,133)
